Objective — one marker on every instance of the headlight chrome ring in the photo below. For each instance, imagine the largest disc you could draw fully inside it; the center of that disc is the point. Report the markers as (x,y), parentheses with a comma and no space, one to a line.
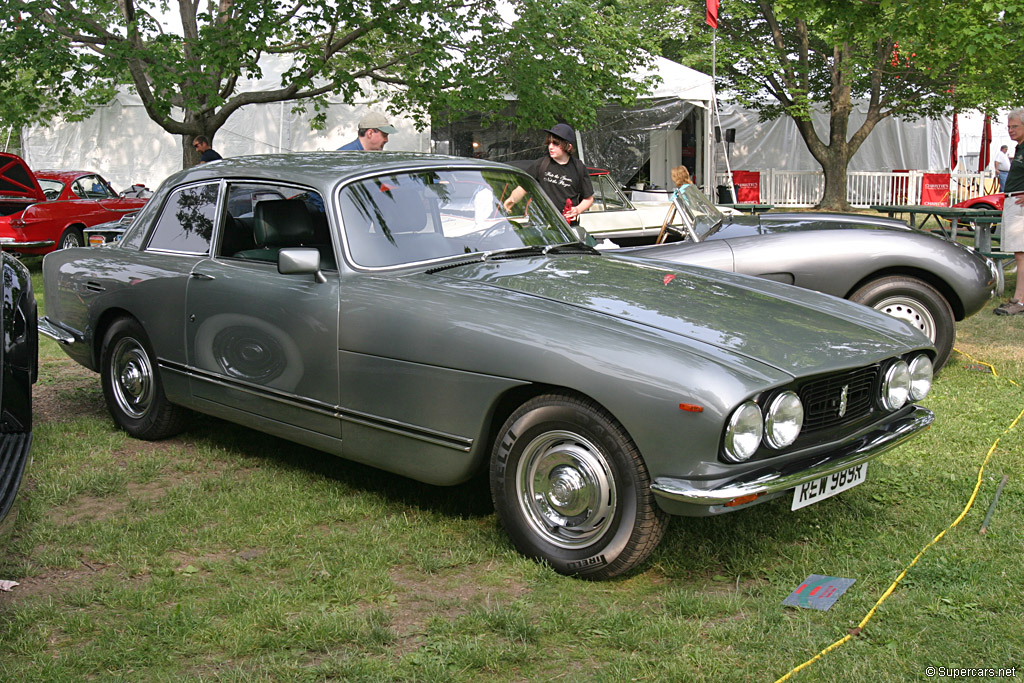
(784,420)
(921,373)
(896,386)
(744,432)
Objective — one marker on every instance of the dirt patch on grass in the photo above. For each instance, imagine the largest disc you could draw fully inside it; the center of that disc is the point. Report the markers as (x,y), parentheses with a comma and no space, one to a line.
(446,595)
(54,583)
(66,391)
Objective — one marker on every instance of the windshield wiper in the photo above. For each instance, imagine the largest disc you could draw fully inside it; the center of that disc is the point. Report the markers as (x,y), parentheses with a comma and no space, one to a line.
(572,248)
(536,249)
(519,252)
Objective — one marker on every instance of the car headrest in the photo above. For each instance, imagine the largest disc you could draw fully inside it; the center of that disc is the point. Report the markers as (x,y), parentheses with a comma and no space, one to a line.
(282,222)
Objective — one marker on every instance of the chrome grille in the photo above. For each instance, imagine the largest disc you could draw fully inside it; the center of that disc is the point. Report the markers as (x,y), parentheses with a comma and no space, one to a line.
(822,398)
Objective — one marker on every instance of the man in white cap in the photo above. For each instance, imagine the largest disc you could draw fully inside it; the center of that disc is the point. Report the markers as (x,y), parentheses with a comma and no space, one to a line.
(374,130)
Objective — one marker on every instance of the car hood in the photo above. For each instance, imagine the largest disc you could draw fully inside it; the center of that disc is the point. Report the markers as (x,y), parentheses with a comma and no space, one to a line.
(16,180)
(772,223)
(790,329)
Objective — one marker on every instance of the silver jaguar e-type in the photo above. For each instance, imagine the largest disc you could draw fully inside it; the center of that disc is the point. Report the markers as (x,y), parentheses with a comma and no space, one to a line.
(923,279)
(386,308)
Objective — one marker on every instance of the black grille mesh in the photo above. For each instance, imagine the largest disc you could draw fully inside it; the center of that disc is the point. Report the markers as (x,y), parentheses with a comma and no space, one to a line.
(822,398)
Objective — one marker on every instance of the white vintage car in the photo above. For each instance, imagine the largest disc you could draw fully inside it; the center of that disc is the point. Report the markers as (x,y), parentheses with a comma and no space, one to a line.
(613,216)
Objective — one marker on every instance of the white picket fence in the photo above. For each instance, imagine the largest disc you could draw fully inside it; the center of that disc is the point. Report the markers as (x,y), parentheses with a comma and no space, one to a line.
(863,188)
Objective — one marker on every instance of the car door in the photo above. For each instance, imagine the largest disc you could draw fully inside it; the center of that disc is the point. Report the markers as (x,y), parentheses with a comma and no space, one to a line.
(263,345)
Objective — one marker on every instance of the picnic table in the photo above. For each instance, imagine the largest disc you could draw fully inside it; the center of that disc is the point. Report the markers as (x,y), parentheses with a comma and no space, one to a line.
(980,220)
(750,208)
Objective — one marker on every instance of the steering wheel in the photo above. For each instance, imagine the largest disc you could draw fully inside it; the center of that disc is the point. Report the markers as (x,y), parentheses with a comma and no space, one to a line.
(51,194)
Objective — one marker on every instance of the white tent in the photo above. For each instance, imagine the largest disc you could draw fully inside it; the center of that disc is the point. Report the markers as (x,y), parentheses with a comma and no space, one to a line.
(915,144)
(124,145)
(121,142)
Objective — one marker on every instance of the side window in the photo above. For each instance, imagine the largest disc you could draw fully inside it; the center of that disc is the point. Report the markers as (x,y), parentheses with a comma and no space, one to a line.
(91,187)
(186,222)
(262,219)
(608,195)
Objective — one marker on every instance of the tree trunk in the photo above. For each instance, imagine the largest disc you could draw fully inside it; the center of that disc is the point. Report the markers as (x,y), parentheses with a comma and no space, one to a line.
(834,166)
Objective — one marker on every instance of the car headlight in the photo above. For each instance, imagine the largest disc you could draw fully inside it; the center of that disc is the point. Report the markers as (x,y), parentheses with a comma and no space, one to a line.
(785,418)
(743,435)
(921,372)
(896,386)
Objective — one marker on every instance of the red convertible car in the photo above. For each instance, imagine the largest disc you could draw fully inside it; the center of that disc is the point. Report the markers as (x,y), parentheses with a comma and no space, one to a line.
(47,210)
(989,201)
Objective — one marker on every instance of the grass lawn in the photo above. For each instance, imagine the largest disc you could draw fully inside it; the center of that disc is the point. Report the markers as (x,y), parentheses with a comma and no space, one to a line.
(224,554)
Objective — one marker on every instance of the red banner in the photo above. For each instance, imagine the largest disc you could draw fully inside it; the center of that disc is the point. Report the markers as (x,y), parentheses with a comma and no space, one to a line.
(954,142)
(986,144)
(898,189)
(748,186)
(711,14)
(935,189)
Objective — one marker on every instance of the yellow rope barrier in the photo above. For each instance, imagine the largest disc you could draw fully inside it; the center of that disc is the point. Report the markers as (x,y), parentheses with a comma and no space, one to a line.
(974,494)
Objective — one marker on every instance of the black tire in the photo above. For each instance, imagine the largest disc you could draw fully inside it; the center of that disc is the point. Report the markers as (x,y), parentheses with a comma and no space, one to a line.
(132,387)
(71,238)
(587,508)
(916,302)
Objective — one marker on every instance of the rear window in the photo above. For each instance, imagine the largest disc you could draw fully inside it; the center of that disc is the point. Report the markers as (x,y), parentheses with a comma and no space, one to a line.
(186,221)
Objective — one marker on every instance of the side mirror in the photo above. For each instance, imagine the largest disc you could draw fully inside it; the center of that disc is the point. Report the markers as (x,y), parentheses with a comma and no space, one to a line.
(300,261)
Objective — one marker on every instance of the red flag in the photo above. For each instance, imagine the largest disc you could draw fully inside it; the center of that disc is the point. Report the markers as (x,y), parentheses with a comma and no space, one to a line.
(711,15)
(953,143)
(984,157)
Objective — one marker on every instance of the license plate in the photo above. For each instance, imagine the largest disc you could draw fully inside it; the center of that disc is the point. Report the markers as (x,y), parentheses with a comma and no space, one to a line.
(828,486)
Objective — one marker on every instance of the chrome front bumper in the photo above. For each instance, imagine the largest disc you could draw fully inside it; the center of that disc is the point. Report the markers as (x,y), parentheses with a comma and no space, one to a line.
(56,332)
(860,450)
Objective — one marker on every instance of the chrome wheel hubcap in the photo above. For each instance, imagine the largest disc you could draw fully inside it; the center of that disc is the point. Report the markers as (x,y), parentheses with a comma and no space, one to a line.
(132,378)
(566,489)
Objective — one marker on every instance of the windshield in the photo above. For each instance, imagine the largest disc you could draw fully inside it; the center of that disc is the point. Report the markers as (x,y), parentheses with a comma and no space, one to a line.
(698,211)
(420,216)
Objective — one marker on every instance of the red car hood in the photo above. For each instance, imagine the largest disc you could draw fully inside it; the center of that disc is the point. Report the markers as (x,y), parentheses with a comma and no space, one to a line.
(16,180)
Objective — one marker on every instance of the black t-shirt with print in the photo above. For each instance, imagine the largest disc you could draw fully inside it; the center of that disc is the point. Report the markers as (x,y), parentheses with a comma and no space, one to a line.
(563,181)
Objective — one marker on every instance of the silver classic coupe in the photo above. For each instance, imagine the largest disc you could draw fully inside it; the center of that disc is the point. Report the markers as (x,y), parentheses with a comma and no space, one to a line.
(928,281)
(386,308)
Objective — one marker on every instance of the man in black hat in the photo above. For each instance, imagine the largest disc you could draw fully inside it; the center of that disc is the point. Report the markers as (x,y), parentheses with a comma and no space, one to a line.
(562,176)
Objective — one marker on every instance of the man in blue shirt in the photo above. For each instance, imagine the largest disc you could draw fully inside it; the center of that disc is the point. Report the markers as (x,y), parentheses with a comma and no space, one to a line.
(374,130)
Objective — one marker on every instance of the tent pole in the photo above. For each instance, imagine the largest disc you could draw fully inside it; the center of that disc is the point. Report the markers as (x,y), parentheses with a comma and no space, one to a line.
(716,120)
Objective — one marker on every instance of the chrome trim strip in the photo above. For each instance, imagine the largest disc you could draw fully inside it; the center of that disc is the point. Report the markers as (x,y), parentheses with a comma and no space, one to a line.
(57,332)
(10,244)
(454,441)
(848,455)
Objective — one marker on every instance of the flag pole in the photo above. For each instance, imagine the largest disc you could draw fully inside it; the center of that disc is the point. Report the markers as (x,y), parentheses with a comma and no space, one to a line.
(717,118)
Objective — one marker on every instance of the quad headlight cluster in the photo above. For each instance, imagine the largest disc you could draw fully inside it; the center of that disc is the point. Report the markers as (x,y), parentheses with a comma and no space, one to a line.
(779,425)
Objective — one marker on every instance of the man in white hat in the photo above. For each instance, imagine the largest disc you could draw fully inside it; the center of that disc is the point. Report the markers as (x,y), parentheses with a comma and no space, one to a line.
(374,130)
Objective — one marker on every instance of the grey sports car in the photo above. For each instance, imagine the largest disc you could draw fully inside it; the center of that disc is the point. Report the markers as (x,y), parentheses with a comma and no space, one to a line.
(921,278)
(386,308)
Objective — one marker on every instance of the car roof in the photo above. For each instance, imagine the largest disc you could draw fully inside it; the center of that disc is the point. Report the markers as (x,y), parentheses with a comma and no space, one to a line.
(323,169)
(62,176)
